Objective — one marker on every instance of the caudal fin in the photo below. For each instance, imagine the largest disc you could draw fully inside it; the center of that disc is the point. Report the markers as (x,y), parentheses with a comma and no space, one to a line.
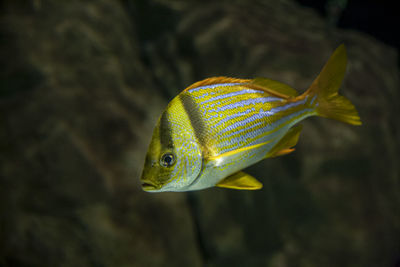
(325,87)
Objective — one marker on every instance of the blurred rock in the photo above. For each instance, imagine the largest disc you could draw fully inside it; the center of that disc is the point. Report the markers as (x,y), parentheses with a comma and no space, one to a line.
(83,86)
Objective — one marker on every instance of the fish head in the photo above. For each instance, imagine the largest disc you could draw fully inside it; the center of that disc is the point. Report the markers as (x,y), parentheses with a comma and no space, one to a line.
(174,158)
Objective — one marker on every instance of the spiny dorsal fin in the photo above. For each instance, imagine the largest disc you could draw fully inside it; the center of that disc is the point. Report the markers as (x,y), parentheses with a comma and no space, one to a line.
(286,144)
(241,181)
(216,80)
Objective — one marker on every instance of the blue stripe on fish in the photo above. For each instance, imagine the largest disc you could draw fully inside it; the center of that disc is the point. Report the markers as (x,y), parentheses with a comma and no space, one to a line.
(285,107)
(230,128)
(244,91)
(246,102)
(258,115)
(265,131)
(228,95)
(312,100)
(259,135)
(231,117)
(212,86)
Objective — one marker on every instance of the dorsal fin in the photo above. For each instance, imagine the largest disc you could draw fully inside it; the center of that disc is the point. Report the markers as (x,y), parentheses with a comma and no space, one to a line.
(275,86)
(272,87)
(216,80)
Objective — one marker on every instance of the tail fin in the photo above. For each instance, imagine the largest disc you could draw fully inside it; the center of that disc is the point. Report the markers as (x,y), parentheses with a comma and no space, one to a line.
(325,87)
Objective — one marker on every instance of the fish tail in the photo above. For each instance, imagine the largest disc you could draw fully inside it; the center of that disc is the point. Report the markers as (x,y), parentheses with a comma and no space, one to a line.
(324,95)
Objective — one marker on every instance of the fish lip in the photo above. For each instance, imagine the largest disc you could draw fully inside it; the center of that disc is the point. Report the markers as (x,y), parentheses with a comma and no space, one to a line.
(149,186)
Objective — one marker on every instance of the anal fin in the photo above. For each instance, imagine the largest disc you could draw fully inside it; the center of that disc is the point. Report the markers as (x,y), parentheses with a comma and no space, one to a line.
(241,181)
(286,144)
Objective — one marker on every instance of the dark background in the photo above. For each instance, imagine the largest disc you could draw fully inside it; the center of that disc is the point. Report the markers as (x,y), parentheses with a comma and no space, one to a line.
(83,82)
(376,18)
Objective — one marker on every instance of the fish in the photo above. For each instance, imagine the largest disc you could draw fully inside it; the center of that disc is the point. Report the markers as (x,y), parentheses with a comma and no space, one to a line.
(217,127)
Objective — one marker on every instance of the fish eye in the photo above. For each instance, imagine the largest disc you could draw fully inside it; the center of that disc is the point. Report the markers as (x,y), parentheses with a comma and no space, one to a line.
(167,160)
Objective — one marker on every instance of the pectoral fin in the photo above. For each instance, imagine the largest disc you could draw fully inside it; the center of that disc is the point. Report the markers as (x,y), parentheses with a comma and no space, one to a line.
(241,181)
(235,152)
(286,144)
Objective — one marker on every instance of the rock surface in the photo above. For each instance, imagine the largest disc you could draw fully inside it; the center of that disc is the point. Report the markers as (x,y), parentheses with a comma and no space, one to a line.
(82,86)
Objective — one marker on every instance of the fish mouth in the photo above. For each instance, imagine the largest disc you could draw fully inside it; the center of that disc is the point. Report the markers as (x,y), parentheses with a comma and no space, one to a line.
(149,186)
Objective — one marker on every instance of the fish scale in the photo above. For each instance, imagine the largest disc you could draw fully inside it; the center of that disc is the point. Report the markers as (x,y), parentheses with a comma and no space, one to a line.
(245,119)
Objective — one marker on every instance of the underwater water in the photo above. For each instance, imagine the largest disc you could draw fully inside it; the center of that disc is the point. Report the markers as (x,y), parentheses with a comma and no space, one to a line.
(83,84)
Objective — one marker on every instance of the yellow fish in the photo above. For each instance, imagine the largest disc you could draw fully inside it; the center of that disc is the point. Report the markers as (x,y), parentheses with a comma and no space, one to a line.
(216,127)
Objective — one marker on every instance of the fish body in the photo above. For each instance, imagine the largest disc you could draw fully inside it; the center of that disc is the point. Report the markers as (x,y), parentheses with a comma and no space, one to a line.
(217,127)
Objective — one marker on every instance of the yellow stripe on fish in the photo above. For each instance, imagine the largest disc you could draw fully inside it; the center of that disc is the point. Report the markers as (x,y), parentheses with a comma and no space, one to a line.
(216,127)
